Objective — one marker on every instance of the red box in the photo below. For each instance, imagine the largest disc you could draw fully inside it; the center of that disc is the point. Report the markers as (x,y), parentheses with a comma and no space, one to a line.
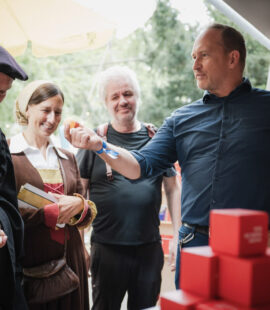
(199,271)
(166,239)
(225,305)
(238,232)
(179,300)
(245,281)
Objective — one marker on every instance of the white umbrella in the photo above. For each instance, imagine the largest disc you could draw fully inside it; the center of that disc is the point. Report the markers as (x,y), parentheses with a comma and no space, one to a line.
(53,27)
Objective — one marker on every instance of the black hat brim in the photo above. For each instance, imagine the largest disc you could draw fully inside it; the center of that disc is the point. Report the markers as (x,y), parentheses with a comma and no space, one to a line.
(10,67)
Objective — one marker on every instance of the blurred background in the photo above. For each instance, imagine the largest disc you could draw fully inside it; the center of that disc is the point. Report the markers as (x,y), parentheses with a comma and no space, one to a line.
(154,38)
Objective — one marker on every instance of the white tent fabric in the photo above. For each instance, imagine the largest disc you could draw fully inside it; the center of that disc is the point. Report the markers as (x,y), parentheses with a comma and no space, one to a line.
(53,27)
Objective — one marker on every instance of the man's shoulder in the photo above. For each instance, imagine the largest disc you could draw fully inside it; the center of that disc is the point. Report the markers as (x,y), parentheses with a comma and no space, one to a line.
(262,93)
(188,108)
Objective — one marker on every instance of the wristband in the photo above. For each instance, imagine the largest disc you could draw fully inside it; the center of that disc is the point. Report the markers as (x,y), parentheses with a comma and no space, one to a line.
(104,149)
(104,145)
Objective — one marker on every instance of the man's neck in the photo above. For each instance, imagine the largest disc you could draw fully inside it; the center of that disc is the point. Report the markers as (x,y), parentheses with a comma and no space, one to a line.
(227,88)
(126,127)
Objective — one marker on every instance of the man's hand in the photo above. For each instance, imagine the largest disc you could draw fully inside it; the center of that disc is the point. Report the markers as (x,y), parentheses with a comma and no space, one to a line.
(83,138)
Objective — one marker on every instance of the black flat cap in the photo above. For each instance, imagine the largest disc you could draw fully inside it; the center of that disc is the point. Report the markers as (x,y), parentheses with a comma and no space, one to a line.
(9,66)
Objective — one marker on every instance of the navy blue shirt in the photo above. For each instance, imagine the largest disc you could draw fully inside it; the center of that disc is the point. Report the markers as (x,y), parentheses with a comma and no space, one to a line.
(223,148)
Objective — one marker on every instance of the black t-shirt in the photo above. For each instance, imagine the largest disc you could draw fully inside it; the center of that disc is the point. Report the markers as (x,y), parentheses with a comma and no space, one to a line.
(128,213)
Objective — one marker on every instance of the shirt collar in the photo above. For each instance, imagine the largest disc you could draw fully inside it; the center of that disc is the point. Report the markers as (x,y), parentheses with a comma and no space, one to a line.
(18,144)
(243,87)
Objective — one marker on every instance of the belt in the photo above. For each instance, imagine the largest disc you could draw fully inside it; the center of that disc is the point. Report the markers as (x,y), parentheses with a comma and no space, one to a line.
(200,229)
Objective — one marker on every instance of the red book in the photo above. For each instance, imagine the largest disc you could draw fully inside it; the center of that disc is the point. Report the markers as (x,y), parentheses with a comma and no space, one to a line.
(238,232)
(199,271)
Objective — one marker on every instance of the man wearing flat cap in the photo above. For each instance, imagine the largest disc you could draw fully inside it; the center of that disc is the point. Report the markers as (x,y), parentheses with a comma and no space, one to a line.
(11,224)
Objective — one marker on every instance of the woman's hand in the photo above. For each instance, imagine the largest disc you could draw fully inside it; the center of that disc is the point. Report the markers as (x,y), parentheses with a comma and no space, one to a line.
(68,207)
(3,238)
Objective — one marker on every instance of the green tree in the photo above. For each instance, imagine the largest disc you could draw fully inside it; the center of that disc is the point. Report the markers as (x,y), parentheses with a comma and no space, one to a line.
(167,49)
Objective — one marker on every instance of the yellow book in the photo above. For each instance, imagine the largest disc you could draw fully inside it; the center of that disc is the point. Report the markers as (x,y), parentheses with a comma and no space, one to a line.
(34,196)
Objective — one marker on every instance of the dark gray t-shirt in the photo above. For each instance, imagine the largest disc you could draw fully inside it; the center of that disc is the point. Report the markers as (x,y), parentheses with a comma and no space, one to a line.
(128,213)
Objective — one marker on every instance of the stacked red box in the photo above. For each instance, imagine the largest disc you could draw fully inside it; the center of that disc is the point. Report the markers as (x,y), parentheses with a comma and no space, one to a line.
(239,237)
(179,300)
(238,232)
(225,305)
(199,271)
(234,272)
(245,281)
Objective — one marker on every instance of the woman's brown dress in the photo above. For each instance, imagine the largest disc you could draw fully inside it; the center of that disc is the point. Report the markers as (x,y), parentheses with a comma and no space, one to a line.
(38,239)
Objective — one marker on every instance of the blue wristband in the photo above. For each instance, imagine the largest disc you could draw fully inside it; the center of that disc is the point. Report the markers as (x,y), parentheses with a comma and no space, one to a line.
(104,149)
(104,146)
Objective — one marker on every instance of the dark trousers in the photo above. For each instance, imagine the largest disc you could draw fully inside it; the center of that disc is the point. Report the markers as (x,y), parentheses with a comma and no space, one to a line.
(118,269)
(198,240)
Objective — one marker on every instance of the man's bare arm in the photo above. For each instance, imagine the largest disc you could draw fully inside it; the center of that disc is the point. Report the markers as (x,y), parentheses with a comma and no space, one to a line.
(173,194)
(85,138)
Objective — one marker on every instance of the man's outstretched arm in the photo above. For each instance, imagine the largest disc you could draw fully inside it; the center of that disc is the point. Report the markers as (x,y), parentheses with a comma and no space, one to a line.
(85,138)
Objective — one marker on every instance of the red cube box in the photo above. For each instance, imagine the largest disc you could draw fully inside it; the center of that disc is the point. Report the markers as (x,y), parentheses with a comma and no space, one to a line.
(238,232)
(179,300)
(225,305)
(199,271)
(245,281)
(166,239)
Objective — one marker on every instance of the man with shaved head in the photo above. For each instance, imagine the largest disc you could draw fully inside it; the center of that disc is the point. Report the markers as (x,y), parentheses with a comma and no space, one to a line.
(221,141)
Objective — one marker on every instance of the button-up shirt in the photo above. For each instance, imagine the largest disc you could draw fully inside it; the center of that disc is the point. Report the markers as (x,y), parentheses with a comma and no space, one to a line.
(223,147)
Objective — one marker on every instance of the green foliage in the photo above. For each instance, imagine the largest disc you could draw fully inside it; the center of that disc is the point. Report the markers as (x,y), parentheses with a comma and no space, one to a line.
(169,46)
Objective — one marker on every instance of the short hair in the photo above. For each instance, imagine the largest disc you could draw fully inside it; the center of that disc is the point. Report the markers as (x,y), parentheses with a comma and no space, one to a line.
(44,92)
(232,40)
(113,73)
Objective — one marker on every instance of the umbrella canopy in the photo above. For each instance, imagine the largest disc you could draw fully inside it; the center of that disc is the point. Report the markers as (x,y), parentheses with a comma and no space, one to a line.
(53,27)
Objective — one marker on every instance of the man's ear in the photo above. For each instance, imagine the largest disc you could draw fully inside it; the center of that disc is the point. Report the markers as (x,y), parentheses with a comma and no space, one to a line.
(234,58)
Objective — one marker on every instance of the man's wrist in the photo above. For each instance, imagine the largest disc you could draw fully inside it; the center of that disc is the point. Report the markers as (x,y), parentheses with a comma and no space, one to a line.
(104,146)
(111,153)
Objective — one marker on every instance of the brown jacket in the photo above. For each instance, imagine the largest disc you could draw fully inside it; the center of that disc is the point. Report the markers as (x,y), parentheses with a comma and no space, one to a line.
(38,244)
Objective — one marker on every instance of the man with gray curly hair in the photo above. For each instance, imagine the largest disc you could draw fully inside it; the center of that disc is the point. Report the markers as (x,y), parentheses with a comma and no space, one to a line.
(126,252)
